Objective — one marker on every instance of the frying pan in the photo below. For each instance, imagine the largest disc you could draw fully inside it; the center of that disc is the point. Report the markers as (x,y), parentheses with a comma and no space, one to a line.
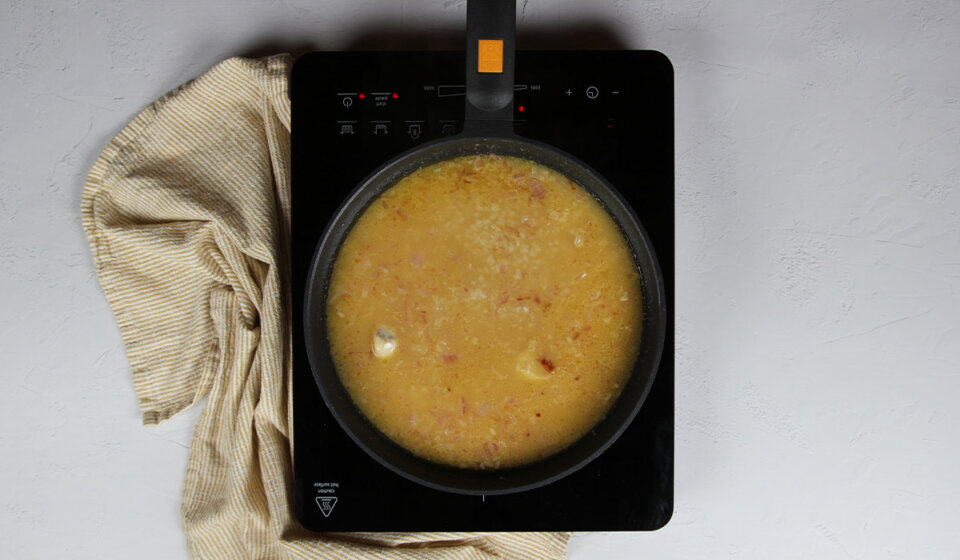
(488,129)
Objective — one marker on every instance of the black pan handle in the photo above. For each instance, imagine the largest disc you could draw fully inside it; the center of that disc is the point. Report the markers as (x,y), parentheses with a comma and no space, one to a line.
(491,30)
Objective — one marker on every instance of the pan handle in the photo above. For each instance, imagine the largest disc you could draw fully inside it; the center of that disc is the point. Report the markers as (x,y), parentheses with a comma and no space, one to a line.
(491,29)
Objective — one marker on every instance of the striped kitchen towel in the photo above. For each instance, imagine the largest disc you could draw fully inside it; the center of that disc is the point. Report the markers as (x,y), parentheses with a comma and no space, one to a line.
(187,214)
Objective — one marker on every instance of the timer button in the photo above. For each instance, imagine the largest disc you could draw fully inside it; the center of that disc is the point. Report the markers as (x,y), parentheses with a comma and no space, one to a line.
(593,92)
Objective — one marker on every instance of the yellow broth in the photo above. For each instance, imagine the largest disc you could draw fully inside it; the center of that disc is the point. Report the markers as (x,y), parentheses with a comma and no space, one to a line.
(484,312)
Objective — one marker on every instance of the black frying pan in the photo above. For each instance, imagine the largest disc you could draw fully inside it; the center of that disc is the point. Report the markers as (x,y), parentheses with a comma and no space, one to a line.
(488,129)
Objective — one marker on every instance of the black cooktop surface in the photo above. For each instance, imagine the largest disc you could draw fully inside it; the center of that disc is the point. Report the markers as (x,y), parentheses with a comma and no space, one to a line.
(351,112)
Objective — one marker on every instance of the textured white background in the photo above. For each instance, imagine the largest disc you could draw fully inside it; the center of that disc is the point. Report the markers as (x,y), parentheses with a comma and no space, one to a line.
(818,265)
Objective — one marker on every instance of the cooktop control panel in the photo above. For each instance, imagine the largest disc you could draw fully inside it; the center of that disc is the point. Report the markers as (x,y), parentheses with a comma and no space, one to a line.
(353,112)
(406,115)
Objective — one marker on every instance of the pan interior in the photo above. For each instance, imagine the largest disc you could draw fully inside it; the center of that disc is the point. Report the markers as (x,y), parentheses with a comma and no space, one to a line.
(484,312)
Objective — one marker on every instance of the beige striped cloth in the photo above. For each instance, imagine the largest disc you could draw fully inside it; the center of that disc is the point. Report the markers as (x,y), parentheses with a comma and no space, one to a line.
(187,214)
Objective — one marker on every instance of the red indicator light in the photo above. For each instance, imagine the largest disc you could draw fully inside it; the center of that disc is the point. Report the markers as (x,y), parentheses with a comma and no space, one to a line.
(396,96)
(521,108)
(362,96)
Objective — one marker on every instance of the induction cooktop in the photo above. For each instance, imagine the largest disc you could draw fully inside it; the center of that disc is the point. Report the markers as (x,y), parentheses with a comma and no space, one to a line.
(352,112)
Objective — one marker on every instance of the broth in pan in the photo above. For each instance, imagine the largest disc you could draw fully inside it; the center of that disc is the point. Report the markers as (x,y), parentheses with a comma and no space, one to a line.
(484,312)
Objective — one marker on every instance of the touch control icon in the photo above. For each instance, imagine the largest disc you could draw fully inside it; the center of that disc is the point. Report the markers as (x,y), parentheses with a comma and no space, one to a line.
(347,102)
(592,92)
(414,130)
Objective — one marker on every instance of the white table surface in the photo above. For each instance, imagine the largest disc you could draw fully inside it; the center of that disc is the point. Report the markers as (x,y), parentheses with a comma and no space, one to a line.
(818,264)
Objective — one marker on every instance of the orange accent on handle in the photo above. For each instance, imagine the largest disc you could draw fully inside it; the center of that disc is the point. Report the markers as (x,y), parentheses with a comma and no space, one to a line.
(490,56)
